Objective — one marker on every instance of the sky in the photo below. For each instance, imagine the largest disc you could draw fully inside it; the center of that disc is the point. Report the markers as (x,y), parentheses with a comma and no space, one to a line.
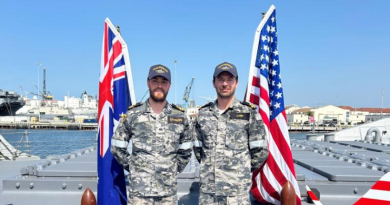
(331,52)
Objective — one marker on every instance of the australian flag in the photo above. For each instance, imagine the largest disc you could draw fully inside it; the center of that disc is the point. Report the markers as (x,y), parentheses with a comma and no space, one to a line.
(116,94)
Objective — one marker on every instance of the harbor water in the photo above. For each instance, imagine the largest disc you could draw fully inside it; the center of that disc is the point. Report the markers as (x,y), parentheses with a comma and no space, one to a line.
(43,143)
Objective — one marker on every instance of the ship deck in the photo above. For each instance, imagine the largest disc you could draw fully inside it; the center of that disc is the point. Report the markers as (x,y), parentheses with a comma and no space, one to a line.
(341,171)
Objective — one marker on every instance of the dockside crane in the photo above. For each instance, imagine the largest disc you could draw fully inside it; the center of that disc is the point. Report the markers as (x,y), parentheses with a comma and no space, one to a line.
(46,95)
(187,91)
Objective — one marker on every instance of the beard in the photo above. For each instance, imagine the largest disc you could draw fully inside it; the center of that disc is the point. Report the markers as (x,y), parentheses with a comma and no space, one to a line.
(158,97)
(225,95)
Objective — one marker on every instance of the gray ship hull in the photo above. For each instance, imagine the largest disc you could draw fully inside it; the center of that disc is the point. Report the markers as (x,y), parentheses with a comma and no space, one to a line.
(10,102)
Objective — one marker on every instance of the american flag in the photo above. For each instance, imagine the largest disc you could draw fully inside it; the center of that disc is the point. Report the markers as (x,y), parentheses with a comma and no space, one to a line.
(116,94)
(379,194)
(265,90)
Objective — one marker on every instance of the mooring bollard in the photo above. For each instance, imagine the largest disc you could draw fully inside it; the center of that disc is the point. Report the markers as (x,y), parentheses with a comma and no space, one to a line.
(88,198)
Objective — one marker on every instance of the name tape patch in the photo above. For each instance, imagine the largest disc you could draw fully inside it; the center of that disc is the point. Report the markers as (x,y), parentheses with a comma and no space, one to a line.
(239,116)
(176,120)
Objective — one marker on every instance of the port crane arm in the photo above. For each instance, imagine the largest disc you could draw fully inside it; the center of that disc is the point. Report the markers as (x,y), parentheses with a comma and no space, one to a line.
(187,91)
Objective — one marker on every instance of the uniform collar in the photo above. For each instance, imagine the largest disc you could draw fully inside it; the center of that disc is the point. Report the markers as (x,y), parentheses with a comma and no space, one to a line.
(167,109)
(234,104)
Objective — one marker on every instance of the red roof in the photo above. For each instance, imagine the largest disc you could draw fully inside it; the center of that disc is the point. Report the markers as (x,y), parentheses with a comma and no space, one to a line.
(302,110)
(368,109)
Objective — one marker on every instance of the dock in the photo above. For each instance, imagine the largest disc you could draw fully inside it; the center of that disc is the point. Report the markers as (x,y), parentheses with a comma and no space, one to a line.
(93,126)
(49,125)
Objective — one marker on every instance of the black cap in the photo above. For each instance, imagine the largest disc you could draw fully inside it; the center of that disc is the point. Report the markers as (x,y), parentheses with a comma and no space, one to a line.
(225,66)
(159,70)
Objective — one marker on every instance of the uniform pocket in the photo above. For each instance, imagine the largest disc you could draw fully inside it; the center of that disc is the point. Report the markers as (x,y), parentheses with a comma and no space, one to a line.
(208,129)
(172,137)
(237,136)
(142,137)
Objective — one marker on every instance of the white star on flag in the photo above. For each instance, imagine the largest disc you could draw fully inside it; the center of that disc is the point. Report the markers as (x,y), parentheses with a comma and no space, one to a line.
(266,48)
(264,38)
(277,105)
(274,62)
(278,95)
(279,85)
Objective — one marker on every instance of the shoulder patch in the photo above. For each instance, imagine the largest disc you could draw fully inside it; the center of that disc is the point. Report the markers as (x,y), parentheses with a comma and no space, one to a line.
(206,105)
(249,104)
(177,107)
(135,105)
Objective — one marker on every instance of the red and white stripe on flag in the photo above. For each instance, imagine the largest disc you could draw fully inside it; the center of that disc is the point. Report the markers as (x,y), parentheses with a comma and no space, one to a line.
(379,194)
(265,90)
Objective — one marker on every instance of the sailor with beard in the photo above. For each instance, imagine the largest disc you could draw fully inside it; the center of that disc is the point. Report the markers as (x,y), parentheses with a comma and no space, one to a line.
(161,143)
(230,143)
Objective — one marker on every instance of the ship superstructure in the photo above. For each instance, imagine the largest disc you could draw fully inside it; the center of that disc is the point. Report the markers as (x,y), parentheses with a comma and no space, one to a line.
(10,102)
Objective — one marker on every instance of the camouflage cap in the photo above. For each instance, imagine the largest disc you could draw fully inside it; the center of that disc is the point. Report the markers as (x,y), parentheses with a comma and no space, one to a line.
(225,66)
(159,70)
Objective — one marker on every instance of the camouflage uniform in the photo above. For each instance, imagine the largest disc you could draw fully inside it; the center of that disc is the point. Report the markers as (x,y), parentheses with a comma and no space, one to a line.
(229,147)
(153,200)
(161,148)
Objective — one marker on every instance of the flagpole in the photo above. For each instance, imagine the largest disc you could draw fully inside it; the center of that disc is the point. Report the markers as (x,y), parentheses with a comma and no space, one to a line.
(126,56)
(255,47)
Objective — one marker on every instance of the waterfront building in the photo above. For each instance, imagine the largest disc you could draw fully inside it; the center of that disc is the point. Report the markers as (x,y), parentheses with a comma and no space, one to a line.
(368,114)
(330,114)
(290,108)
(298,116)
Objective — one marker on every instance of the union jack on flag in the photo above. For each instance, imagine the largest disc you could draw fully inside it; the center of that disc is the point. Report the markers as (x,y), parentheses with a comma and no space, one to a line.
(116,94)
(265,90)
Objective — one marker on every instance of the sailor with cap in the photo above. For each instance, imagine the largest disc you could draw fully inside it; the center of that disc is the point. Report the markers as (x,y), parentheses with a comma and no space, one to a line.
(229,143)
(161,143)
